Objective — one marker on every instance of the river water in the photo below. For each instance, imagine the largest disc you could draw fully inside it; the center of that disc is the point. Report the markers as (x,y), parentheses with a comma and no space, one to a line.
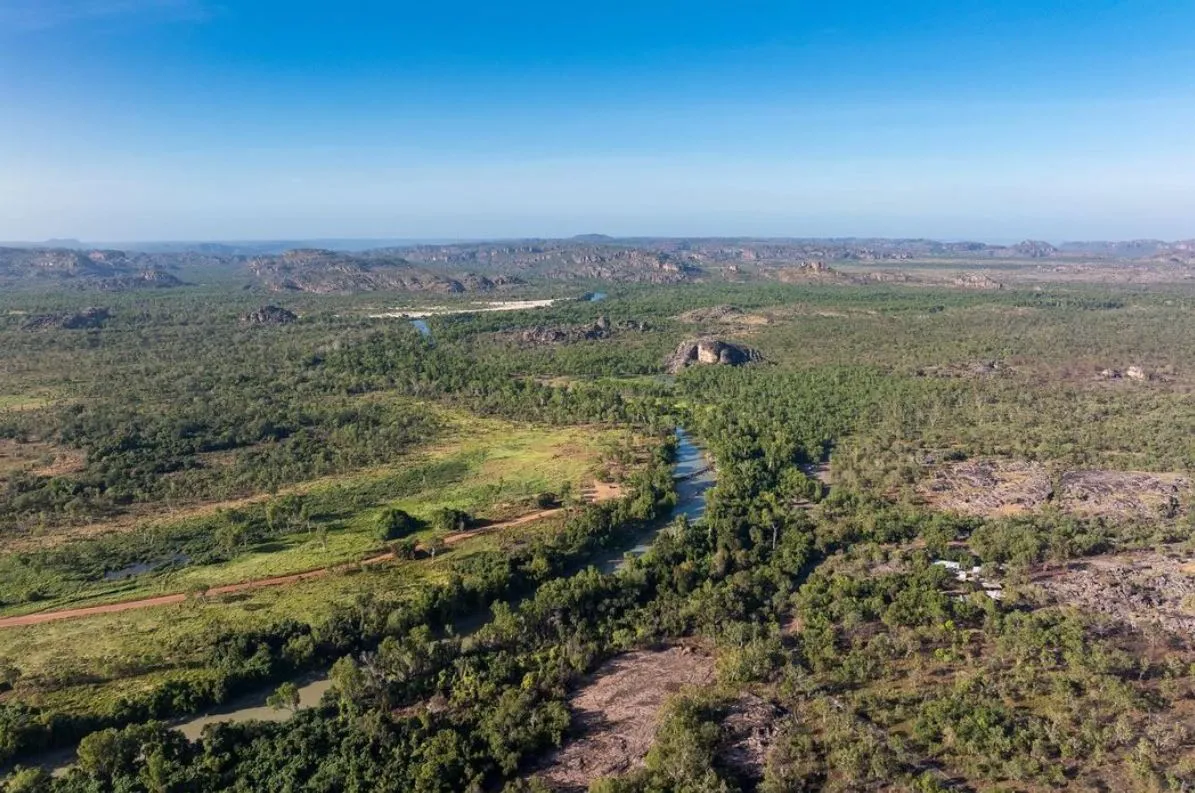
(694,475)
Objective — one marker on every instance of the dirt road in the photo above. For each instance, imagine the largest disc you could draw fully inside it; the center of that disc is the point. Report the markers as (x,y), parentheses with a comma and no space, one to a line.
(605,493)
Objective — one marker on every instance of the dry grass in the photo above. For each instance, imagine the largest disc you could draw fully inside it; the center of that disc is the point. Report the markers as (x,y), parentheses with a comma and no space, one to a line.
(618,712)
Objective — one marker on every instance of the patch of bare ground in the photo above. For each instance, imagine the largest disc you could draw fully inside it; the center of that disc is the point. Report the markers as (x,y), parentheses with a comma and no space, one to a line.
(723,315)
(616,714)
(819,471)
(1142,589)
(38,458)
(748,732)
(991,487)
(1125,494)
(965,370)
(601,491)
(988,487)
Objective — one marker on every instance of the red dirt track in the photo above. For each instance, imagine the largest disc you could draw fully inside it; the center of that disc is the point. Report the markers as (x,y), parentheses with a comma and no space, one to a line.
(282,580)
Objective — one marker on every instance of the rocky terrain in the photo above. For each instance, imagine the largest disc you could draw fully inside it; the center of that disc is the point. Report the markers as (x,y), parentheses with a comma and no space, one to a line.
(995,487)
(989,487)
(566,260)
(1144,590)
(749,731)
(100,269)
(270,315)
(327,272)
(88,318)
(485,266)
(602,328)
(710,352)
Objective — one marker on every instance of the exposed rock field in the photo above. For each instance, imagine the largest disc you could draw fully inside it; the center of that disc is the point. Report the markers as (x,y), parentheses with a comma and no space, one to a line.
(993,487)
(1143,589)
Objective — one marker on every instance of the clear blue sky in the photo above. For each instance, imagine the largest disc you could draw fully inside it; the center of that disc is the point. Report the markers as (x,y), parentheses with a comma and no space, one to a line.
(224,119)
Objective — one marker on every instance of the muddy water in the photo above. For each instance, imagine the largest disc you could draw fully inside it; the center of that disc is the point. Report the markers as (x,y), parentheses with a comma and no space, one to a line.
(249,707)
(694,475)
(253,707)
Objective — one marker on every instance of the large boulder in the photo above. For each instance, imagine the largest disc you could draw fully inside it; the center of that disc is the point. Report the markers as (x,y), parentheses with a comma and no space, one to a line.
(711,352)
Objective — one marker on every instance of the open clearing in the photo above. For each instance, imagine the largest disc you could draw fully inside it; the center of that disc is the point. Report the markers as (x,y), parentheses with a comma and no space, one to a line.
(474,308)
(1145,589)
(989,487)
(490,468)
(18,403)
(618,711)
(497,469)
(1000,487)
(605,493)
(1128,494)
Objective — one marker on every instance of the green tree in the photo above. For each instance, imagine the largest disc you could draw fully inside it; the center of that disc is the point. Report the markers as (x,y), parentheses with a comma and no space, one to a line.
(393,523)
(451,520)
(27,780)
(285,697)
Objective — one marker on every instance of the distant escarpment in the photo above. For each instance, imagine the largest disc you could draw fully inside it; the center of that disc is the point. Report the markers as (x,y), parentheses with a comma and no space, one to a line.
(329,272)
(566,260)
(711,352)
(104,270)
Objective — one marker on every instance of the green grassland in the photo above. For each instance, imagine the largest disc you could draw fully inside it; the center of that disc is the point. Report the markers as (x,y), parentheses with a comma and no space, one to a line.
(491,468)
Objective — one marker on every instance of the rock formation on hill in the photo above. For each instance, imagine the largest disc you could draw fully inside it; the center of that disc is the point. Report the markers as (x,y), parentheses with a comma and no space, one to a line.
(602,328)
(270,315)
(86,319)
(709,352)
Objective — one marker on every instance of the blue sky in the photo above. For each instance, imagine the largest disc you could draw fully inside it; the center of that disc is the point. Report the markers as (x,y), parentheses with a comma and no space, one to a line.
(219,119)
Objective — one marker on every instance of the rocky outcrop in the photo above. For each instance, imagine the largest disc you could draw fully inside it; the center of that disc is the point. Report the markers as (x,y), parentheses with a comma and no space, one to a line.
(270,315)
(603,328)
(153,278)
(711,352)
(1135,373)
(816,270)
(1035,249)
(976,281)
(88,318)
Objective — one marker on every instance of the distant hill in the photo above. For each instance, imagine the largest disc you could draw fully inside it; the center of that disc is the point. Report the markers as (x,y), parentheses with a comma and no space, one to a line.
(100,270)
(324,271)
(486,266)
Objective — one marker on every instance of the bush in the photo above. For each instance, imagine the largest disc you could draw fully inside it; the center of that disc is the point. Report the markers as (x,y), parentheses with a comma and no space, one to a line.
(393,523)
(448,519)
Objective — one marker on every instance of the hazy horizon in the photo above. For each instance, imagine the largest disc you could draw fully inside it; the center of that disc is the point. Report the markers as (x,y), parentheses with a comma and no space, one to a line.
(367,243)
(157,120)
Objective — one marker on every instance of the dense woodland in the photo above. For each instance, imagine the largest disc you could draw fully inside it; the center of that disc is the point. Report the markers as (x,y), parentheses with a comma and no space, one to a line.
(885,672)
